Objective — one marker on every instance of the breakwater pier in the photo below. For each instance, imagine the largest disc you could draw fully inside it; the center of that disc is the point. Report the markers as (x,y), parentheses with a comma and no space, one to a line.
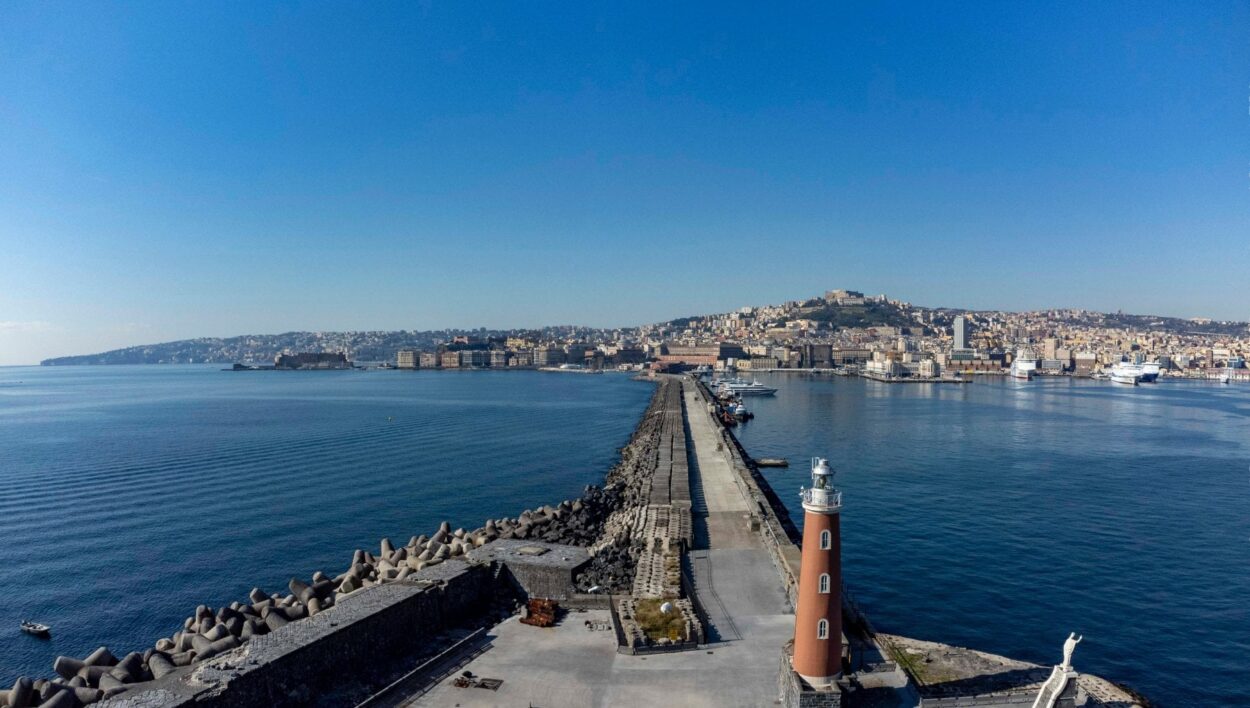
(683,519)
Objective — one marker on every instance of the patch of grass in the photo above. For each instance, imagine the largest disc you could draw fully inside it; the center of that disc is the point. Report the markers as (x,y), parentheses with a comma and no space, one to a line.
(656,624)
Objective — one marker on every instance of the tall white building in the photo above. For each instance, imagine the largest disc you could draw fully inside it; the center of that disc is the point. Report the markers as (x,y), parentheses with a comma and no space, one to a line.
(962,331)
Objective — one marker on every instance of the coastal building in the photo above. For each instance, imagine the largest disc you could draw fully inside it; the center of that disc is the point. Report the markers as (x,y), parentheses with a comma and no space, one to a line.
(817,656)
(428,360)
(449,360)
(817,356)
(408,359)
(929,368)
(498,358)
(850,355)
(699,355)
(474,358)
(548,356)
(1085,362)
(628,355)
(759,363)
(961,332)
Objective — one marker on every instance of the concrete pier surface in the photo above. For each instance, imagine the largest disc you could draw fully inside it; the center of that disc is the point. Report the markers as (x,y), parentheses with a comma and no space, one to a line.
(736,583)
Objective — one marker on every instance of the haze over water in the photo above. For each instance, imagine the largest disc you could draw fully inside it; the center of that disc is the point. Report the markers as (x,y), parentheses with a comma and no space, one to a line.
(1000,516)
(129,495)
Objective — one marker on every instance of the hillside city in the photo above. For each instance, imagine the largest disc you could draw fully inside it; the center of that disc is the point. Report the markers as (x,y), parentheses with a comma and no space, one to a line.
(890,337)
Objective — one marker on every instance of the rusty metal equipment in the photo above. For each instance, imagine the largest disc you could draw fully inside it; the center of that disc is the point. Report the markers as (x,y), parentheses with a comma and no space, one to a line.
(541,612)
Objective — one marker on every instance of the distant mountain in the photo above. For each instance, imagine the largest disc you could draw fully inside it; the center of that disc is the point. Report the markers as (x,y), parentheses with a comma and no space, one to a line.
(254,348)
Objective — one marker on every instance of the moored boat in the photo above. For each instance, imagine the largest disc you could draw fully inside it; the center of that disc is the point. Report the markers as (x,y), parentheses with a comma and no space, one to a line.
(1023,364)
(39,630)
(1125,373)
(739,387)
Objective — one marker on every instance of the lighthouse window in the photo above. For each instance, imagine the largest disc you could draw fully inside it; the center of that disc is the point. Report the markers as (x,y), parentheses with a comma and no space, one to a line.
(824,583)
(826,540)
(820,481)
(822,629)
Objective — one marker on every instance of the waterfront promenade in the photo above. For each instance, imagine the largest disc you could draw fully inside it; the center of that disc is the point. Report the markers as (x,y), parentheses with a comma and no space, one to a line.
(736,583)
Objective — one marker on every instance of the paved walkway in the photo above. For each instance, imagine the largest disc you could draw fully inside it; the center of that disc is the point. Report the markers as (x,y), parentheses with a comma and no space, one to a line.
(568,665)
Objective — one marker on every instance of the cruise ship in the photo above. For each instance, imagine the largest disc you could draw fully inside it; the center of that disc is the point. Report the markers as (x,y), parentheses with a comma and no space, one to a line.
(1024,365)
(1126,373)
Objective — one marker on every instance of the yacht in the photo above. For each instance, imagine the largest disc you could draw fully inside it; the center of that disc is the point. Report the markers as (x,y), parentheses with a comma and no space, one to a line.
(740,387)
(1126,373)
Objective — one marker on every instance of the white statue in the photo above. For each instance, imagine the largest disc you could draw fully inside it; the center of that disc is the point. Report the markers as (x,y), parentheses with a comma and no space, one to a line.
(1069,645)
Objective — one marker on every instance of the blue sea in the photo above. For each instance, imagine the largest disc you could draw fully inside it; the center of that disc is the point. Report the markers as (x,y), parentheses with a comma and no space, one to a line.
(1001,515)
(996,515)
(129,495)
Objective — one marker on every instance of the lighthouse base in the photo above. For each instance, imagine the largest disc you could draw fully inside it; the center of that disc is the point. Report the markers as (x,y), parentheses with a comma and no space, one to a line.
(798,692)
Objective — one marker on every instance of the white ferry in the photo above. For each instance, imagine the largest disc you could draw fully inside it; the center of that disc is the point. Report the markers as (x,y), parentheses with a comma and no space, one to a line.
(740,387)
(1024,365)
(1126,373)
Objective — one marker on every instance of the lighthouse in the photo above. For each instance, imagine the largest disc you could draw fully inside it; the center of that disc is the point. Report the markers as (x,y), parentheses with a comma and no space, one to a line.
(817,654)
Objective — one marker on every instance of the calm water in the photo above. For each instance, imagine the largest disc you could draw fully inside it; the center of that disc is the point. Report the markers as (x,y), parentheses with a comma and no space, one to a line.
(128,495)
(1002,515)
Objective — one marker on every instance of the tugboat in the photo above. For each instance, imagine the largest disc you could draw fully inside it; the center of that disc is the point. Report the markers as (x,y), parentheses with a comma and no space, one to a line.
(39,630)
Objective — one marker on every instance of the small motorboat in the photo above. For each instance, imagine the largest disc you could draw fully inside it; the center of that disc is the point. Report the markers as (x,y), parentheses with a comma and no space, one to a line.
(39,630)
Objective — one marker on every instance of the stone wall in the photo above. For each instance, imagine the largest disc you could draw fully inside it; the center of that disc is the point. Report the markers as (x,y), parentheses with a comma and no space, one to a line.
(795,694)
(300,663)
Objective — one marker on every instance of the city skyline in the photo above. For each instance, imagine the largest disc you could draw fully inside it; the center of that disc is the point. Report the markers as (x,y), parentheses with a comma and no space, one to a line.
(177,171)
(772,332)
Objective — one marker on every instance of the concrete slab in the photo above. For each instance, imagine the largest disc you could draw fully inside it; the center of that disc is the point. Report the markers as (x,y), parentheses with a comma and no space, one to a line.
(565,665)
(720,493)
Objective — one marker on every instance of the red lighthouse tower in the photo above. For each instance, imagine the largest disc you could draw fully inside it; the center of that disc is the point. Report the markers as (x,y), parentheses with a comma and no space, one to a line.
(818,617)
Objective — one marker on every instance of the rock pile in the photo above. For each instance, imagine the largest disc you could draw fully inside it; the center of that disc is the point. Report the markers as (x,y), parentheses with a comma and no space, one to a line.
(623,538)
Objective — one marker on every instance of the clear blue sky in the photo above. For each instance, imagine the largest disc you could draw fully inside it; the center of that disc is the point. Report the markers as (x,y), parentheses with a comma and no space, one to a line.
(170,170)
